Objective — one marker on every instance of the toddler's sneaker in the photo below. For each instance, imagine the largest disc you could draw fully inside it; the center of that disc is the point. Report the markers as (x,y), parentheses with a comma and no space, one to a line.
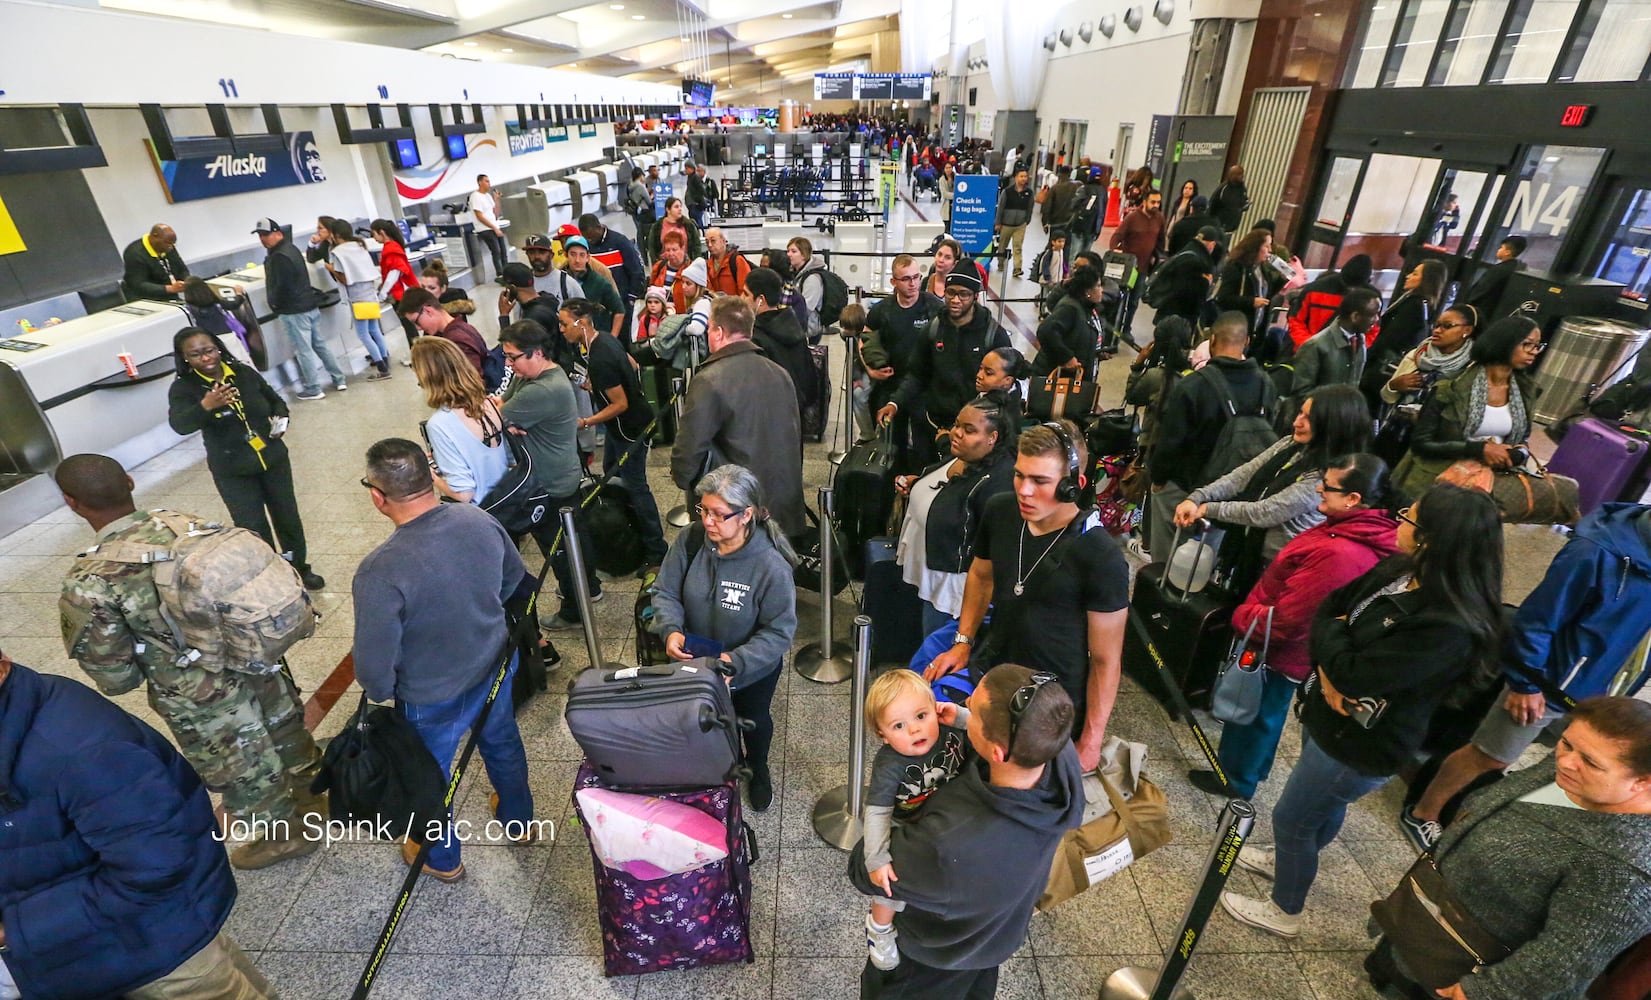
(881,942)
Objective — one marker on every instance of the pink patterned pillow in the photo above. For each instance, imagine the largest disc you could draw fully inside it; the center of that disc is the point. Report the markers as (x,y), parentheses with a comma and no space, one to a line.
(649,838)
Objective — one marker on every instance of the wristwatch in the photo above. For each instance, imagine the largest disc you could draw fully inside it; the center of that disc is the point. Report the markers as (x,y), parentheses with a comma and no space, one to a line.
(961,639)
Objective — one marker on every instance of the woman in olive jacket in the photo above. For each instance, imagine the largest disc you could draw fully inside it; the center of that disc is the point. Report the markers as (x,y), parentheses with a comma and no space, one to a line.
(236,412)
(1482,414)
(1421,629)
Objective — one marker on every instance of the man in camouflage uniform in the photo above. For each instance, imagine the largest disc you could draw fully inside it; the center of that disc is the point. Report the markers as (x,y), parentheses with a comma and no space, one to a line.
(243,733)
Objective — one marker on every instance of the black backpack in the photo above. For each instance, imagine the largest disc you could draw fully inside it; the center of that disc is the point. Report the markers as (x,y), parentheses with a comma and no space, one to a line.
(833,297)
(378,770)
(1244,435)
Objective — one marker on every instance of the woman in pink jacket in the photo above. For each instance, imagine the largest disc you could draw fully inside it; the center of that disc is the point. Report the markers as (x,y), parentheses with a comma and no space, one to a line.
(1359,531)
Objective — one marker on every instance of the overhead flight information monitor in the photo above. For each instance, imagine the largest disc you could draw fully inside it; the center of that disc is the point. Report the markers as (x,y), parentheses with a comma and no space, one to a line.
(874,87)
(834,86)
(913,86)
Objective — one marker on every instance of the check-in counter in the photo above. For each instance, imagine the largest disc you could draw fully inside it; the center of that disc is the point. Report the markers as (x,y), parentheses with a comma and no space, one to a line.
(549,205)
(612,193)
(589,188)
(65,390)
(337,324)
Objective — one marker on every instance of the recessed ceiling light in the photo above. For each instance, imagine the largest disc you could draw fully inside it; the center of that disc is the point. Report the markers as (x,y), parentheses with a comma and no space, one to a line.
(684,38)
(573,65)
(639,17)
(787,16)
(471,45)
(507,50)
(616,6)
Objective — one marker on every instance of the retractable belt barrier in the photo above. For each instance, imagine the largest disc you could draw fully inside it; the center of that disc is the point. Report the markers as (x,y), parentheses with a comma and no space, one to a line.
(523,628)
(837,812)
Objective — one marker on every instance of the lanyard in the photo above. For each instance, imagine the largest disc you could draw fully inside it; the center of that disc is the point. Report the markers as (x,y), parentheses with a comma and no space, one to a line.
(239,409)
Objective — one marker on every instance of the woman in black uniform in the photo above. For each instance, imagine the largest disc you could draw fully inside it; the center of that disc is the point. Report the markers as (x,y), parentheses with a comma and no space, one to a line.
(242,420)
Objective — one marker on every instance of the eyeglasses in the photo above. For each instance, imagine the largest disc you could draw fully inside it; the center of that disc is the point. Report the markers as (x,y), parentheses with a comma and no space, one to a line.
(205,352)
(959,293)
(1405,516)
(370,486)
(1327,488)
(1536,348)
(513,358)
(909,277)
(712,517)
(1019,703)
(1442,325)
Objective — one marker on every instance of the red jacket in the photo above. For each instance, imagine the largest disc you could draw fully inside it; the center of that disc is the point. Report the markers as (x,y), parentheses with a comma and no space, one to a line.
(392,258)
(1313,564)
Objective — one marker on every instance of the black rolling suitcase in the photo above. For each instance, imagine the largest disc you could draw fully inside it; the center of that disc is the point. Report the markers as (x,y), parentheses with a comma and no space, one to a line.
(895,609)
(863,495)
(1192,633)
(816,416)
(671,725)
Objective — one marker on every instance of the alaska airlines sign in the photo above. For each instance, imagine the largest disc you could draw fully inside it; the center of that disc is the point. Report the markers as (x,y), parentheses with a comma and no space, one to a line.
(195,178)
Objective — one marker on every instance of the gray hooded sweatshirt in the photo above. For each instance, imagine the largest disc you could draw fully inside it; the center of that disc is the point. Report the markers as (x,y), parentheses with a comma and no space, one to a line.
(747,600)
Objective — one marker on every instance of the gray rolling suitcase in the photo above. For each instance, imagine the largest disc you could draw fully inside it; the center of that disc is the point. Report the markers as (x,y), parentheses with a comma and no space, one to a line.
(670,725)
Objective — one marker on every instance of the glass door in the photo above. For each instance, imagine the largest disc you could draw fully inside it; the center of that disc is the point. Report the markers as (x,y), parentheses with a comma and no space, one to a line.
(1335,208)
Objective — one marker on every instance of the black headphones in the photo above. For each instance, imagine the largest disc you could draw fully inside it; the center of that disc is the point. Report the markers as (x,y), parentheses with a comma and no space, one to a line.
(1070,487)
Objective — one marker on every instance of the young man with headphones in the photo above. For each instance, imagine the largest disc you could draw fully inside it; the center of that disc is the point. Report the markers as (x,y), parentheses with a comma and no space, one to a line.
(1056,582)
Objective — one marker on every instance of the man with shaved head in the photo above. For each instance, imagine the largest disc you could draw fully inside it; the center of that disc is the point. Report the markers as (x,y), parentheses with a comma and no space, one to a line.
(242,732)
(154,270)
(725,268)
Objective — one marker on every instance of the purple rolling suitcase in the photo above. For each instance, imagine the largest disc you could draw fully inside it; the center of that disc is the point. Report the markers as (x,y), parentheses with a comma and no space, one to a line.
(702,917)
(1603,458)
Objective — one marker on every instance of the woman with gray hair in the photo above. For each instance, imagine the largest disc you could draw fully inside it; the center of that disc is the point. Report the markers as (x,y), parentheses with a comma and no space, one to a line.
(726,590)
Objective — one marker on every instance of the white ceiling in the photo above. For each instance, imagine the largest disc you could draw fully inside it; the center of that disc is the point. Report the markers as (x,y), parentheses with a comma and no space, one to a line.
(747,47)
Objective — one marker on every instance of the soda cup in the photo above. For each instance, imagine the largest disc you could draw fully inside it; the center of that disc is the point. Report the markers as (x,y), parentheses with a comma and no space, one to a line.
(131,367)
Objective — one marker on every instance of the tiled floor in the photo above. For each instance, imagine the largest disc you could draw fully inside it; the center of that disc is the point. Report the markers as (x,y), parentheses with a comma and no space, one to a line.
(522,924)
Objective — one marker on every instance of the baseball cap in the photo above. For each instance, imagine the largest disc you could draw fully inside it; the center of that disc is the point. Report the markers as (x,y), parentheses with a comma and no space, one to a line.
(567,229)
(538,241)
(575,241)
(1210,233)
(517,275)
(263,226)
(964,278)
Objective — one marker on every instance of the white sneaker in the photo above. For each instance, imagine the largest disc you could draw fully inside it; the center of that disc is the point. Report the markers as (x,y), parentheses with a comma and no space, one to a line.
(885,953)
(1262,914)
(1256,859)
(341,385)
(1135,550)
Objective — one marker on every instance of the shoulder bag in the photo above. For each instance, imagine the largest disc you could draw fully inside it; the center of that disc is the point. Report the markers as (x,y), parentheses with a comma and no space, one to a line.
(1125,817)
(1523,496)
(1236,697)
(517,500)
(1425,923)
(1065,393)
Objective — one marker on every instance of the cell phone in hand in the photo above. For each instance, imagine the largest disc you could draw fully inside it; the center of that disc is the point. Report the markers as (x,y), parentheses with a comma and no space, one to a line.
(279,425)
(698,645)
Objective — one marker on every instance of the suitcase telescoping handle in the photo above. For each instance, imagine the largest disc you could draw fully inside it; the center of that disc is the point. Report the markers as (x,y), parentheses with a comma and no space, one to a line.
(1200,529)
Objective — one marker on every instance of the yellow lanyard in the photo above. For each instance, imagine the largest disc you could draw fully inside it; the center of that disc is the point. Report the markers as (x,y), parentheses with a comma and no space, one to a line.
(256,442)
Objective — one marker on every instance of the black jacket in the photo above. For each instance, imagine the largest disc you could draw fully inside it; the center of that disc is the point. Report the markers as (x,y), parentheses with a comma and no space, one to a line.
(1402,649)
(222,430)
(1071,331)
(955,514)
(1181,234)
(1058,206)
(1489,286)
(974,862)
(1228,204)
(146,277)
(1189,276)
(287,281)
(943,367)
(782,339)
(1014,208)
(1193,416)
(1239,287)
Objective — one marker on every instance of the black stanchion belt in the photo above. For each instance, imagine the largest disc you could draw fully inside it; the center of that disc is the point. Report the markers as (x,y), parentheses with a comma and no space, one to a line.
(522,628)
(1240,817)
(1180,699)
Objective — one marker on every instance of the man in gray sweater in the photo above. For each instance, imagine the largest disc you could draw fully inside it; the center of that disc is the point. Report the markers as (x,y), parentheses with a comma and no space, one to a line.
(297,303)
(430,624)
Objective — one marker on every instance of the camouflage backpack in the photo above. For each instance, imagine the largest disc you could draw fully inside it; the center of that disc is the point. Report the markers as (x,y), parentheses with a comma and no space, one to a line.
(229,599)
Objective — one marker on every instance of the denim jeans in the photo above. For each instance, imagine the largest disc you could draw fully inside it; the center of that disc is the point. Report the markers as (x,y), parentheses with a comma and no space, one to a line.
(443,724)
(1308,816)
(310,350)
(935,619)
(372,338)
(1247,751)
(634,474)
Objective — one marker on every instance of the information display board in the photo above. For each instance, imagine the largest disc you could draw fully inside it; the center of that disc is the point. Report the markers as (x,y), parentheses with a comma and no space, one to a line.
(873,86)
(834,86)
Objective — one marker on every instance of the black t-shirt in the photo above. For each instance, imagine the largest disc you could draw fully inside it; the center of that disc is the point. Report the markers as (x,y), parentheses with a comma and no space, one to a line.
(609,367)
(902,329)
(1047,626)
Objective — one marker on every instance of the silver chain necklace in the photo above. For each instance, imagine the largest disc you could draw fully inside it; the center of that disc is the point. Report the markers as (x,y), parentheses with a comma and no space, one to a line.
(1020,584)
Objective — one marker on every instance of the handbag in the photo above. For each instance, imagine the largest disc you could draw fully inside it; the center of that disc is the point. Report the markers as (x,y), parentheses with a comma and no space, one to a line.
(516,501)
(1424,922)
(1125,816)
(1522,496)
(366,310)
(1066,392)
(378,771)
(1236,697)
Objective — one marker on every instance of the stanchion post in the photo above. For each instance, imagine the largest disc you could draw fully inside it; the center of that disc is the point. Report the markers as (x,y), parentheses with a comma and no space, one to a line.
(581,587)
(844,435)
(1135,983)
(678,516)
(837,812)
(825,662)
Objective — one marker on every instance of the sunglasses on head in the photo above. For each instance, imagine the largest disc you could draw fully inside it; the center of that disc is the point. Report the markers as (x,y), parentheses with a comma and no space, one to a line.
(1019,702)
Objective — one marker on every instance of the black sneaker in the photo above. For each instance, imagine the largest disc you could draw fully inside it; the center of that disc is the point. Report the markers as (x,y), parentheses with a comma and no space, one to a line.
(1205,780)
(1424,833)
(761,790)
(312,580)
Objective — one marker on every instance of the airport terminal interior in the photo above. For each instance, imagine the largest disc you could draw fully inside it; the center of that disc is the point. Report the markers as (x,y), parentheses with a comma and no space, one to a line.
(1409,135)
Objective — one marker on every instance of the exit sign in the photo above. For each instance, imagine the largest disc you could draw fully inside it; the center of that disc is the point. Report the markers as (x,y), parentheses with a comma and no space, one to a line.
(1576,115)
